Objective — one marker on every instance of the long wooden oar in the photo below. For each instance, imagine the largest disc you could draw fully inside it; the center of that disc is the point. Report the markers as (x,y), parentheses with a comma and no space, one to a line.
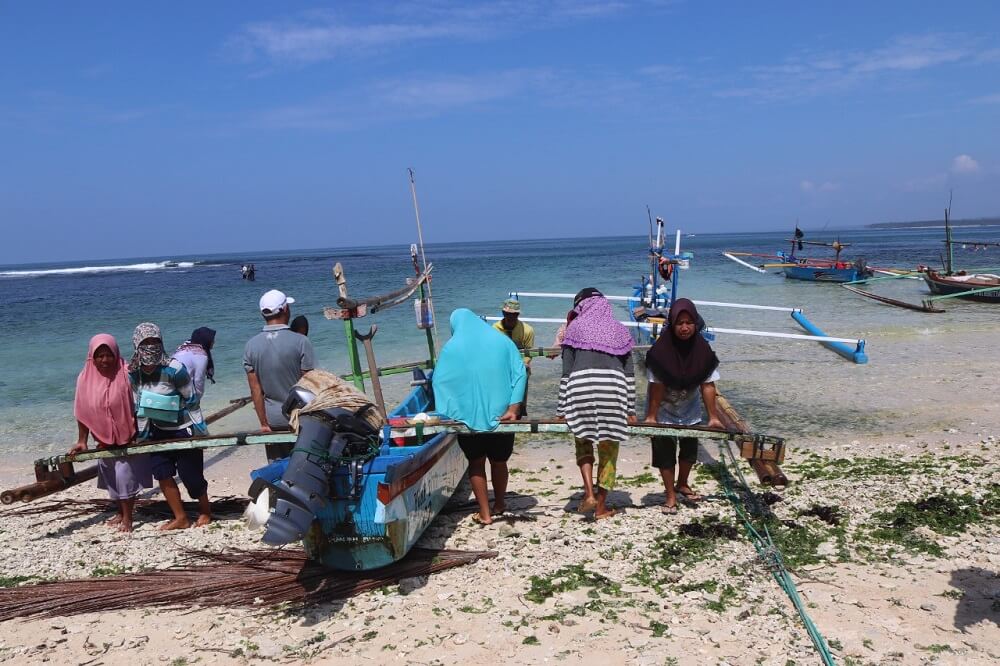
(924,307)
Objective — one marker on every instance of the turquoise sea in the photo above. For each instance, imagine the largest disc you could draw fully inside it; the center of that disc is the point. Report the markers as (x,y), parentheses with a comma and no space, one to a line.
(48,313)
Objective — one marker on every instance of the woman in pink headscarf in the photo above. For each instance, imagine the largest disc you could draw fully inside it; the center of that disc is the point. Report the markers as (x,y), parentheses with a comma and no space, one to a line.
(104,411)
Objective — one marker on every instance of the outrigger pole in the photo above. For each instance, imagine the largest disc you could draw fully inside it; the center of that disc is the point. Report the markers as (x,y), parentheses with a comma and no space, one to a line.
(852,349)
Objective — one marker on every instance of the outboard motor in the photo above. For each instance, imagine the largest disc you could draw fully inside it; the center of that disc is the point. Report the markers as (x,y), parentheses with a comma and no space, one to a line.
(304,489)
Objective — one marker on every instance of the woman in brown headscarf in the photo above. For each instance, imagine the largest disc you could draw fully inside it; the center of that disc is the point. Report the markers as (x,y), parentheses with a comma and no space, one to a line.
(680,366)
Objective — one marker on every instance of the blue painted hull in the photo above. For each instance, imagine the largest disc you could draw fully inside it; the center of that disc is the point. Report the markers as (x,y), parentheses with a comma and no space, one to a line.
(819,274)
(402,491)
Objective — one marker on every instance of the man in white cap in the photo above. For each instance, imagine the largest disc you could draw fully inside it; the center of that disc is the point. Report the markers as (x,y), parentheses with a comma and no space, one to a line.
(275,359)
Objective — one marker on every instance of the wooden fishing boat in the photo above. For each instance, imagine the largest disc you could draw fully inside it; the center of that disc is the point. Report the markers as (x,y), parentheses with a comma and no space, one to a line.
(808,269)
(982,287)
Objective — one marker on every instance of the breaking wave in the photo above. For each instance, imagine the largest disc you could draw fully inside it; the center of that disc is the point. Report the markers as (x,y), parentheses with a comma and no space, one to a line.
(83,270)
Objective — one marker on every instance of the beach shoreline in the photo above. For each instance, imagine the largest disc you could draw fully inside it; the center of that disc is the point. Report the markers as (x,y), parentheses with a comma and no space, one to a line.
(565,589)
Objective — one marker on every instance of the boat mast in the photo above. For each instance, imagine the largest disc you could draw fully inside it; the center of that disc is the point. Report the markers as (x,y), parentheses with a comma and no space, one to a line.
(949,266)
(431,332)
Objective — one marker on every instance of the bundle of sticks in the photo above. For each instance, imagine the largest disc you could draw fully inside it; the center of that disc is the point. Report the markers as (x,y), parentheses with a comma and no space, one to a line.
(233,578)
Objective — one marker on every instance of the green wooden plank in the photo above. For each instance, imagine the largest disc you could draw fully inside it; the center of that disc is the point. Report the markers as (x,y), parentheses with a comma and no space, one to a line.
(561,428)
(910,274)
(210,442)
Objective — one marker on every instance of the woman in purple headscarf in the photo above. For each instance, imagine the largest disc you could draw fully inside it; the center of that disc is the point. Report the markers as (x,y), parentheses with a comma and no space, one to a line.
(596,393)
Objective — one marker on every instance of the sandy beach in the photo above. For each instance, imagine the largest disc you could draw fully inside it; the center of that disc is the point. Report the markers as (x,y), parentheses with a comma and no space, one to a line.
(883,582)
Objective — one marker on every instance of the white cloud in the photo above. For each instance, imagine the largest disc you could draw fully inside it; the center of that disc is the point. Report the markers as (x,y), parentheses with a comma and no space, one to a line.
(810,74)
(987,99)
(932,183)
(964,164)
(322,35)
(393,99)
(825,186)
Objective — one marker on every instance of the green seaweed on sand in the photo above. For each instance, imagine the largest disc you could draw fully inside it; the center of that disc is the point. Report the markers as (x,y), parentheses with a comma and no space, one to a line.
(691,543)
(727,593)
(947,514)
(810,466)
(642,479)
(14,581)
(570,577)
(708,472)
(599,606)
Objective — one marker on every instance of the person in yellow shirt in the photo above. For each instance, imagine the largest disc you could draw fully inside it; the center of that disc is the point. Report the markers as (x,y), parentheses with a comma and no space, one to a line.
(521,334)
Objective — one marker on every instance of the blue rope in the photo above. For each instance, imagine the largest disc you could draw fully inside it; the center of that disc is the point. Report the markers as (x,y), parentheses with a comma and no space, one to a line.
(768,552)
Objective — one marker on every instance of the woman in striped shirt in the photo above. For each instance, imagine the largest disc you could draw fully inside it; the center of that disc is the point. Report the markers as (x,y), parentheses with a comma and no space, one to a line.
(597,393)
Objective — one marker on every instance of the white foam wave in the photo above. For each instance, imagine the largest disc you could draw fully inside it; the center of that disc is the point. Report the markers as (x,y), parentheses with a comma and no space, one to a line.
(149,266)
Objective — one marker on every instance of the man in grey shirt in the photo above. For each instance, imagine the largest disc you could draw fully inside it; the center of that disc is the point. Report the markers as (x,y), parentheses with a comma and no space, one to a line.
(275,359)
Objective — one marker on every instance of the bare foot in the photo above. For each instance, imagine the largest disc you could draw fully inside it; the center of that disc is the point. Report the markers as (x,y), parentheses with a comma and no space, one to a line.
(203,519)
(114,520)
(124,526)
(688,494)
(476,518)
(587,504)
(499,508)
(176,524)
(610,513)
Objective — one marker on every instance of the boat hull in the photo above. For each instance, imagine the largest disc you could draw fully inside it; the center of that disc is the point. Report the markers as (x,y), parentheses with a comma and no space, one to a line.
(375,512)
(943,286)
(822,274)
(368,533)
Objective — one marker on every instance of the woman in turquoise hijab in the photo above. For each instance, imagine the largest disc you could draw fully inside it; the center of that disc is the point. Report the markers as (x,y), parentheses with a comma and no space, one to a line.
(479,379)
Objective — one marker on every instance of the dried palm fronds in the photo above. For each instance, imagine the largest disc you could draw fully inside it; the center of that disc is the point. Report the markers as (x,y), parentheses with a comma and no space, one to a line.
(235,578)
(75,508)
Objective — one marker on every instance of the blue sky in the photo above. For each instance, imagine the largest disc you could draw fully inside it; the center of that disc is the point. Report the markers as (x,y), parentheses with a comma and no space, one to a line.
(136,129)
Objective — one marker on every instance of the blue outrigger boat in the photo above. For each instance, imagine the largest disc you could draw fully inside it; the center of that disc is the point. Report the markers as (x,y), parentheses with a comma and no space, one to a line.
(359,498)
(809,269)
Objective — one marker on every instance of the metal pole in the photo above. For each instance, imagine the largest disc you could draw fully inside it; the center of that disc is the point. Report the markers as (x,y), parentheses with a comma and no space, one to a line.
(431,349)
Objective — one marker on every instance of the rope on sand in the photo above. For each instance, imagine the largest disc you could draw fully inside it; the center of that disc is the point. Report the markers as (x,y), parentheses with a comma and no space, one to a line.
(766,549)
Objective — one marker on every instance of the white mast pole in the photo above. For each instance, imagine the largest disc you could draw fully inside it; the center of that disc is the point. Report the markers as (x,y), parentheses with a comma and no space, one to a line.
(423,257)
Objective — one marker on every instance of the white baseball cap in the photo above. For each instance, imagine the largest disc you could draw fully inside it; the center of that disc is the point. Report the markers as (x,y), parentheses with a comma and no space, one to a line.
(274,302)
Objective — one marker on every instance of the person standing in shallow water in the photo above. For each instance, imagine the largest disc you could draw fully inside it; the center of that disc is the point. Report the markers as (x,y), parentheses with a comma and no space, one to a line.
(680,366)
(154,377)
(597,393)
(104,410)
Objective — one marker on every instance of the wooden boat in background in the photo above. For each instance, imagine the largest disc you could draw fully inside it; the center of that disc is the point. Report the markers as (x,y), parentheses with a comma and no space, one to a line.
(808,269)
(982,287)
(949,283)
